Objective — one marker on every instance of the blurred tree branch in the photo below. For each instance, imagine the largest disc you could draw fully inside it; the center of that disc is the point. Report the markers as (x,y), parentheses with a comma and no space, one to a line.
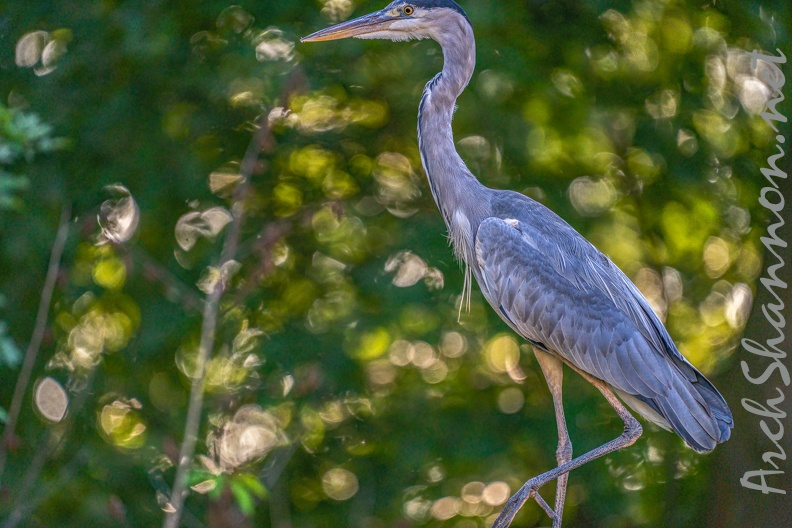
(154,271)
(66,473)
(262,141)
(38,334)
(53,438)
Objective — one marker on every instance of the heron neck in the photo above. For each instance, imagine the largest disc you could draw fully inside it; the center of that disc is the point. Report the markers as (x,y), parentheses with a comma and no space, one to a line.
(453,186)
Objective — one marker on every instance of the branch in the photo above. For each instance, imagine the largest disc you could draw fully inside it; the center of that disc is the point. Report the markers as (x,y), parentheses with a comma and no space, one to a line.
(262,140)
(38,335)
(54,438)
(265,242)
(66,473)
(153,270)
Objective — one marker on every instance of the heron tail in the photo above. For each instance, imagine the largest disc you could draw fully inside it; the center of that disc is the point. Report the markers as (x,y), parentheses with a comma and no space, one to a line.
(693,408)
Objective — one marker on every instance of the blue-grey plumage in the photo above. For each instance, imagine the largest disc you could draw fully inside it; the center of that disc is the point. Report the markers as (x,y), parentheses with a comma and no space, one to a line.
(546,281)
(559,292)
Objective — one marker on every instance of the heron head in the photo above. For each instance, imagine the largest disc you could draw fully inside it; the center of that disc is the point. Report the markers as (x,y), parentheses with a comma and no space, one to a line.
(400,20)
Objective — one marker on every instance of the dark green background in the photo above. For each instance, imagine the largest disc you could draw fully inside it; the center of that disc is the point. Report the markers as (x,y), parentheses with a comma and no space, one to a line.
(625,118)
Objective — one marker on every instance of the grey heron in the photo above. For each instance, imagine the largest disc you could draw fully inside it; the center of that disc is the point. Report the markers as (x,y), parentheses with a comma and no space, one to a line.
(547,282)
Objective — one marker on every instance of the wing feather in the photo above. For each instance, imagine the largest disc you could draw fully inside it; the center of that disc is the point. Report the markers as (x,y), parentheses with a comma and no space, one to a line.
(546,307)
(559,292)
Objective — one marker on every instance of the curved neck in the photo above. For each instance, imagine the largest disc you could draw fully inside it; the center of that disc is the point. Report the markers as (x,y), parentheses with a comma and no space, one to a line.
(450,180)
(459,60)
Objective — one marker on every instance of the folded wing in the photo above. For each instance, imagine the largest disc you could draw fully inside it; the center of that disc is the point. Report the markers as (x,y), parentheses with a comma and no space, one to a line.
(568,298)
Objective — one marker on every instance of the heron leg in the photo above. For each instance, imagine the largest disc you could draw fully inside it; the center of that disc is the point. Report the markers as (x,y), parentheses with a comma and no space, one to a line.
(552,368)
(632,431)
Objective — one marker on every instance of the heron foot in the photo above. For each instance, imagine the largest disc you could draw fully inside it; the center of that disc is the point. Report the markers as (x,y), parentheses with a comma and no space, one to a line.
(529,490)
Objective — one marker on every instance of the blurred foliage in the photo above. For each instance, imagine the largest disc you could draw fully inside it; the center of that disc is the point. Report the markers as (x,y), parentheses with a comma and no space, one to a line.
(23,135)
(346,388)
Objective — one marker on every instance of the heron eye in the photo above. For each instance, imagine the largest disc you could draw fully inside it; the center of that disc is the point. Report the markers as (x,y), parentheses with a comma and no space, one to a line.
(408,10)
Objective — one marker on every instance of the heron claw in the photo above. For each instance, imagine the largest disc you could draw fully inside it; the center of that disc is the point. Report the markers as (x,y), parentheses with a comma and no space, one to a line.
(528,491)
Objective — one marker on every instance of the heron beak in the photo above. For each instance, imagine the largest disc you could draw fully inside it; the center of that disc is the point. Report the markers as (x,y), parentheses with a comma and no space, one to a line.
(364,25)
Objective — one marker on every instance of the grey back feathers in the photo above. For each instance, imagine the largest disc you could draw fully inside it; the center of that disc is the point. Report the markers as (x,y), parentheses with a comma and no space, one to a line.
(557,290)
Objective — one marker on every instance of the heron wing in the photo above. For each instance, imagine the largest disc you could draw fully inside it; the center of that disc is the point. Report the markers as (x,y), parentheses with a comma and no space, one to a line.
(560,293)
(581,324)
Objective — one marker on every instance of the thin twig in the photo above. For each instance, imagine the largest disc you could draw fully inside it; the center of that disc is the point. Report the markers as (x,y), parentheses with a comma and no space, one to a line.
(33,471)
(261,140)
(152,270)
(38,335)
(270,476)
(50,444)
(66,473)
(270,235)
(156,271)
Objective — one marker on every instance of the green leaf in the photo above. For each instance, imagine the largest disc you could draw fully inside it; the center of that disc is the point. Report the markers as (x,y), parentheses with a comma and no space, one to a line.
(218,490)
(253,484)
(243,497)
(194,476)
